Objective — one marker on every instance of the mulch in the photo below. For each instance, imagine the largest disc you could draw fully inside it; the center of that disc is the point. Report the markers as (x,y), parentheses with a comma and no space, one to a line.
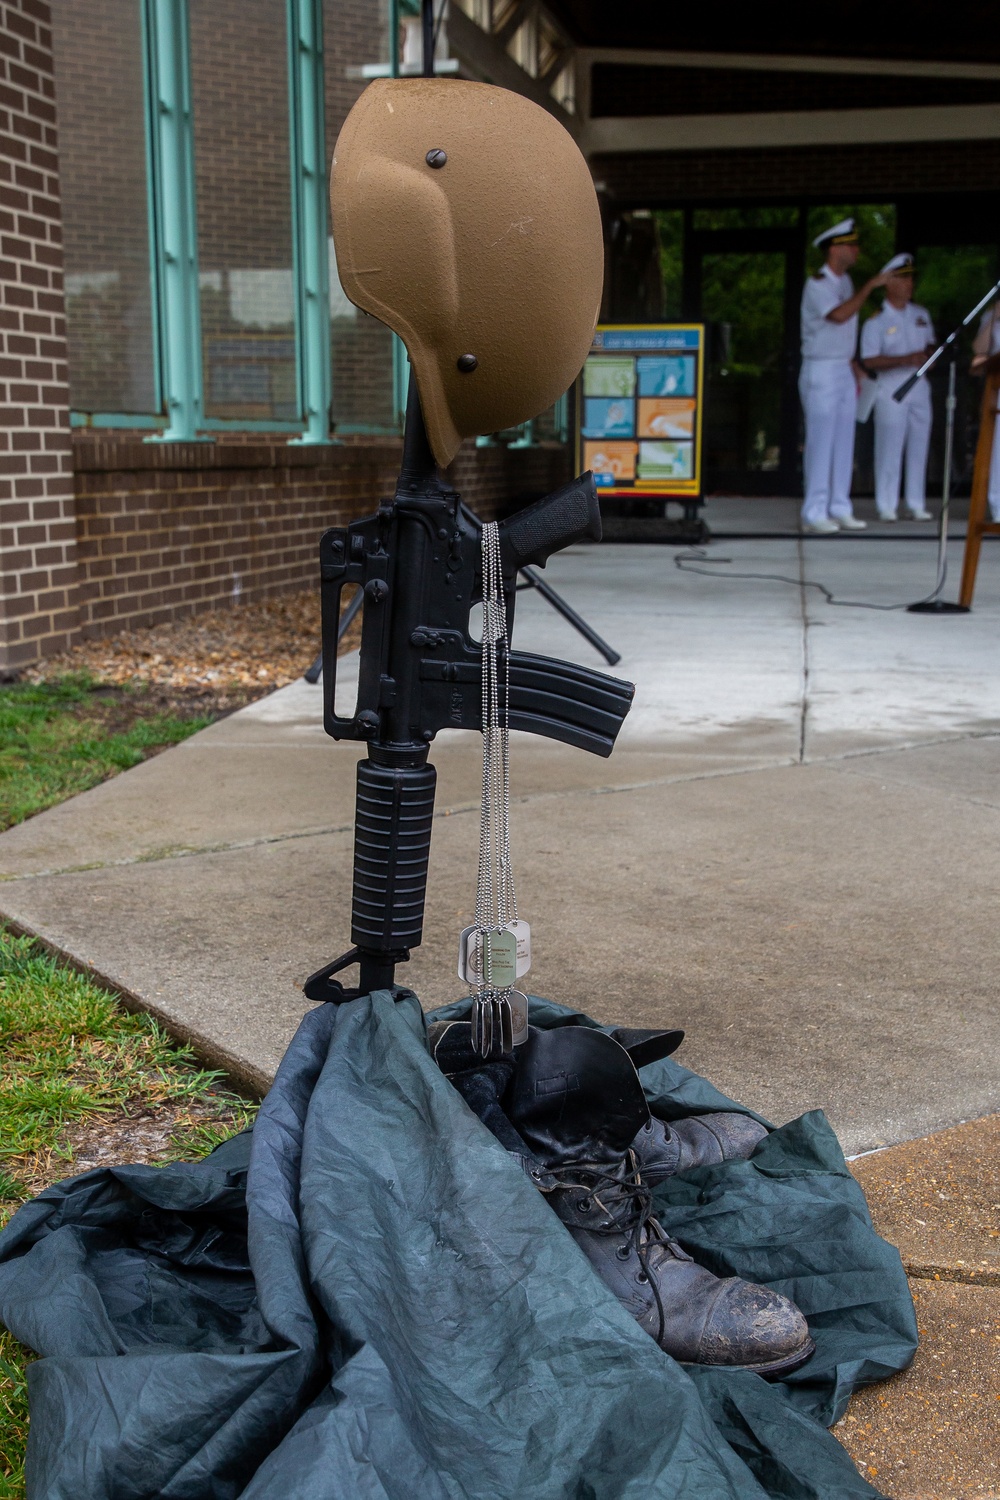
(209,664)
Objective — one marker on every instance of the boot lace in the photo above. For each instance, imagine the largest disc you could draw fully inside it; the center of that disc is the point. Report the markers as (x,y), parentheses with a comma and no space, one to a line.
(628,1204)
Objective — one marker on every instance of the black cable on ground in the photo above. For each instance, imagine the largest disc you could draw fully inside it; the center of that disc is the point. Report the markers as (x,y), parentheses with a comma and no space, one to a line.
(699,554)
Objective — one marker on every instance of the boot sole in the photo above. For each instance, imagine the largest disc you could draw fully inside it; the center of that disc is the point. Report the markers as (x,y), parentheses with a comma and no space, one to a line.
(772,1367)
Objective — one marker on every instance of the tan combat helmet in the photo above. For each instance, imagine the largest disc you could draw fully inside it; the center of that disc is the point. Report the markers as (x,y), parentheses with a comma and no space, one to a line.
(464,217)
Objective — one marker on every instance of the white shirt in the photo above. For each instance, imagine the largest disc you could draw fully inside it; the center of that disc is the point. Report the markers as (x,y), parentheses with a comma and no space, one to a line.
(896,330)
(821,338)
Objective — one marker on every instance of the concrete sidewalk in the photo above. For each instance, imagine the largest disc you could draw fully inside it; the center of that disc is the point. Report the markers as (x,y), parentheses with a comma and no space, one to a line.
(792,853)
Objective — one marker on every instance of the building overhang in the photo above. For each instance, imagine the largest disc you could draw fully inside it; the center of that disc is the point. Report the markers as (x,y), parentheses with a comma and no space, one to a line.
(828,127)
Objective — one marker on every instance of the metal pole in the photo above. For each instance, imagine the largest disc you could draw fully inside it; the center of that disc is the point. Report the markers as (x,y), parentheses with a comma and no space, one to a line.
(932,605)
(558,603)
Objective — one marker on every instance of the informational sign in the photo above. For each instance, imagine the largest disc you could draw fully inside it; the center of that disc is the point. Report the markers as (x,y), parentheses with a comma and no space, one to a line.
(638,409)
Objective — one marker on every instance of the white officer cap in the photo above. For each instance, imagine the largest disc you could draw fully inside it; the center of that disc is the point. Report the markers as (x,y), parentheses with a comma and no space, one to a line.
(843,233)
(900,265)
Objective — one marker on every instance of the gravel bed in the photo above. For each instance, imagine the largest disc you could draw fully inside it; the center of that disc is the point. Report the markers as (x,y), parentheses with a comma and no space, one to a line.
(236,654)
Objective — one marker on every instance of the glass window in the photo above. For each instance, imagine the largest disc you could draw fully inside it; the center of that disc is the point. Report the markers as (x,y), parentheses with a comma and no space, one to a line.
(950,280)
(109,323)
(355,34)
(743,294)
(756,217)
(670,233)
(239,74)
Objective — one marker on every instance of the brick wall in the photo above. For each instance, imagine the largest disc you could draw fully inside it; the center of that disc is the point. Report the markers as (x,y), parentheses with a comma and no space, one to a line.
(101,531)
(168,531)
(826,174)
(497,481)
(38,576)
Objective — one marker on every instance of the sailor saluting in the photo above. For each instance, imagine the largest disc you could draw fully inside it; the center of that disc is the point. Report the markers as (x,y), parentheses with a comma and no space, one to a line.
(828,382)
(894,342)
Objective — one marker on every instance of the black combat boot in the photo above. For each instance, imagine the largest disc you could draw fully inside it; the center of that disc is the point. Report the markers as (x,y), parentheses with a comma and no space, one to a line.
(696,1141)
(575,1099)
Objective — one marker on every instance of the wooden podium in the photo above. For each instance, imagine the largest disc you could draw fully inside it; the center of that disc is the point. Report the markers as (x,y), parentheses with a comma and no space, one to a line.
(979,526)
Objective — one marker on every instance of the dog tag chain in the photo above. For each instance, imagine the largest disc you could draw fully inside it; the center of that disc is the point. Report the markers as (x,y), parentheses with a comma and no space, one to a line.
(496,950)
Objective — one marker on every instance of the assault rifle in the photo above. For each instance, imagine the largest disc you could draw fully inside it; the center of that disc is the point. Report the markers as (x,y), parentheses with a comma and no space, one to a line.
(418,564)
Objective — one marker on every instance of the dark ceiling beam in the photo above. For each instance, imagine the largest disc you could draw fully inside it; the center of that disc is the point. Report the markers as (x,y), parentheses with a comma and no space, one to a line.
(872,28)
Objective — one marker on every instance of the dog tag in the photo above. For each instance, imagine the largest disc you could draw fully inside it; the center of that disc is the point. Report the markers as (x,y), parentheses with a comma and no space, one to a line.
(501,959)
(464,955)
(519,1017)
(500,969)
(470,966)
(522,932)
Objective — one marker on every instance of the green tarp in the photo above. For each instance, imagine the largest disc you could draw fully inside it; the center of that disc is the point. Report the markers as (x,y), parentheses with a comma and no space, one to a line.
(366,1299)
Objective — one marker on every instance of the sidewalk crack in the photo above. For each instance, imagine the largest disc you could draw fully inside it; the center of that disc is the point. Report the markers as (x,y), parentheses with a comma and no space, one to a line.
(804,615)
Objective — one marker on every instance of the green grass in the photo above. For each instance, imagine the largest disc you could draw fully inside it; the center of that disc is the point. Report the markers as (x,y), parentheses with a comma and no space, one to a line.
(59,738)
(72,1054)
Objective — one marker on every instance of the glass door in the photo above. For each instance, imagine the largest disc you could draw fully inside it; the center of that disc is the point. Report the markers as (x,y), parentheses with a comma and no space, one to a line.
(743,283)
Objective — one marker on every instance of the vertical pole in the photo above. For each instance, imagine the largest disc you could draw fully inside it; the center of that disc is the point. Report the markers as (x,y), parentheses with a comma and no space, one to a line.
(310,254)
(400,364)
(173,220)
(933,605)
(393,38)
(562,417)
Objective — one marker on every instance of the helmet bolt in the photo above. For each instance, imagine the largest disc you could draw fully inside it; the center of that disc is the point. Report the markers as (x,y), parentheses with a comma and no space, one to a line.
(436,157)
(467,363)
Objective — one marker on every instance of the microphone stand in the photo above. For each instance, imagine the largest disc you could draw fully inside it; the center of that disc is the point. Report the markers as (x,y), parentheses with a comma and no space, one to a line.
(933,604)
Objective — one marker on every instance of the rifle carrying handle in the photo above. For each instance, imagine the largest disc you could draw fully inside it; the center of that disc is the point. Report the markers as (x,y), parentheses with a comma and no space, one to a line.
(338,570)
(566,516)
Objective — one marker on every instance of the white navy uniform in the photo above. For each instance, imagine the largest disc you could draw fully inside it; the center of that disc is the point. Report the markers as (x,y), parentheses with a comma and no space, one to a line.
(901,427)
(829,395)
(991,321)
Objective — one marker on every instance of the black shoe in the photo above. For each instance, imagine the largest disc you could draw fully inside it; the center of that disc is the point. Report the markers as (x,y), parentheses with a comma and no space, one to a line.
(576,1101)
(697,1141)
(695,1317)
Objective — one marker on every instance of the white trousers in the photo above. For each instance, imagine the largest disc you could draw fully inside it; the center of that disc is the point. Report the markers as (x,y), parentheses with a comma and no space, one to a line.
(902,428)
(830,401)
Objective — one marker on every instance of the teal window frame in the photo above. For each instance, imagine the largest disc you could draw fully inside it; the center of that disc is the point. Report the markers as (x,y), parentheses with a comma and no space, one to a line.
(310,257)
(173,239)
